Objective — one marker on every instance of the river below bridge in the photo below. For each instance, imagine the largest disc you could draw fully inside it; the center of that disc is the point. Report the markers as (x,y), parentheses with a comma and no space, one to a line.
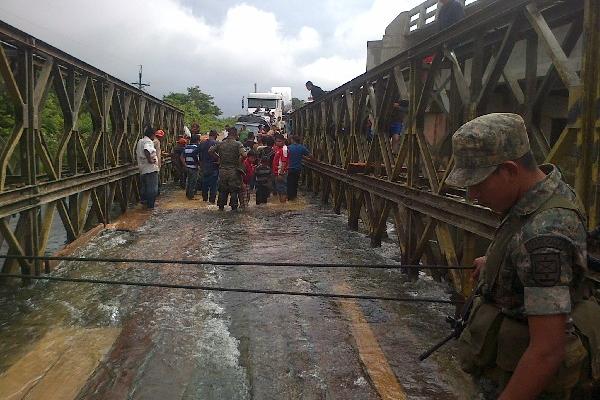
(65,340)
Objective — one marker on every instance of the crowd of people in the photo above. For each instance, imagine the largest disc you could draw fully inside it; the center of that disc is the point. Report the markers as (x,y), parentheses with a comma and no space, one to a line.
(226,171)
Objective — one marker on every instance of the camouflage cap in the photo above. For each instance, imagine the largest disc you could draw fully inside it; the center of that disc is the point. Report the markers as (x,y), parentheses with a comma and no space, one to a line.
(482,144)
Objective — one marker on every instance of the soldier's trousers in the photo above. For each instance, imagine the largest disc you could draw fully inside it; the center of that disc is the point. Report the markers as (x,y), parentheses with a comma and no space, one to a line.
(233,199)
(230,184)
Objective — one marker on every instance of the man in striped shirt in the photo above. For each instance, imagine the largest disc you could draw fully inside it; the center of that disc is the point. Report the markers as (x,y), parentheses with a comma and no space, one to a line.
(191,159)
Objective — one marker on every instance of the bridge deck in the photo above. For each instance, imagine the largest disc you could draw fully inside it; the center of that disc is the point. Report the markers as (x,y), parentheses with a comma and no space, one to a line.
(80,341)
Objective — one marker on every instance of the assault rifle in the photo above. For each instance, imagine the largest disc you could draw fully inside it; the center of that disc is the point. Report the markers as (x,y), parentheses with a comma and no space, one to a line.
(457,325)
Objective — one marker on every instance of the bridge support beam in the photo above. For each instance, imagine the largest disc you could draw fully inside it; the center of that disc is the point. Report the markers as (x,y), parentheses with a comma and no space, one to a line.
(488,62)
(72,174)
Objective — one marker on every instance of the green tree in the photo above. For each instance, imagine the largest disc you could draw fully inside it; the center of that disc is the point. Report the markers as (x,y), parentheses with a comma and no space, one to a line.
(7,112)
(199,107)
(297,103)
(195,97)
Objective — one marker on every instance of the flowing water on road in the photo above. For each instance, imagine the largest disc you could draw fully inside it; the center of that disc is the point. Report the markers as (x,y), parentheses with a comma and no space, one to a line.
(118,342)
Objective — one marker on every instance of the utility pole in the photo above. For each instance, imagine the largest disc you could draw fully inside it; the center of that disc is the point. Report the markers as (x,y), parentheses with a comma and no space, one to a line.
(255,88)
(139,83)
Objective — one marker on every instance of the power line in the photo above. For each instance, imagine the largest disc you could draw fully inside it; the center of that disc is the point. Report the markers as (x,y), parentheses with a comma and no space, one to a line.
(232,290)
(232,263)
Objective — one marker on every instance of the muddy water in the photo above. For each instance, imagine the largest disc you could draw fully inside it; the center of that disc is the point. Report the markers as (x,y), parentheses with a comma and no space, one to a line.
(172,344)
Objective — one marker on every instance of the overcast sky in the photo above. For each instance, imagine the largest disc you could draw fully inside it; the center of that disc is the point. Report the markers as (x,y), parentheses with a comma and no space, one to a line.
(223,46)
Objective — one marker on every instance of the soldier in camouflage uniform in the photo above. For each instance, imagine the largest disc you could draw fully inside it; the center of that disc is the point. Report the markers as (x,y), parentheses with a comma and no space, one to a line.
(523,339)
(230,152)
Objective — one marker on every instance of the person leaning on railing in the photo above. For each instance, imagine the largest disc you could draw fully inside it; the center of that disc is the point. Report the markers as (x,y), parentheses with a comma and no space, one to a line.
(450,13)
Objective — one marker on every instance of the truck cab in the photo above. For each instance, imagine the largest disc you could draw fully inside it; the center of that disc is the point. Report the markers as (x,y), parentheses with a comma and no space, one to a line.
(265,105)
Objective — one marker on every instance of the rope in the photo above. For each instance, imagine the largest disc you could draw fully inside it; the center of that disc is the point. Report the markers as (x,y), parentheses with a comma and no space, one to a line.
(234,263)
(232,290)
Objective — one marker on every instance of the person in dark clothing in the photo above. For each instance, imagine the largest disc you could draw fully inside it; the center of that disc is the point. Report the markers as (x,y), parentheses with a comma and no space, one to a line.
(180,171)
(450,13)
(399,110)
(210,166)
(263,176)
(266,150)
(315,91)
(296,152)
(249,142)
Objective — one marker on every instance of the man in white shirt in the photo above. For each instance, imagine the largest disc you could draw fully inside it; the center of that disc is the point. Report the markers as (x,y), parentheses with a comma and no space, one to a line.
(148,165)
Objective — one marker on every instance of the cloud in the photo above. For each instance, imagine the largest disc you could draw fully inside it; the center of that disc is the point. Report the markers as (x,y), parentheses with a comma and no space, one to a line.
(179,48)
(330,71)
(353,33)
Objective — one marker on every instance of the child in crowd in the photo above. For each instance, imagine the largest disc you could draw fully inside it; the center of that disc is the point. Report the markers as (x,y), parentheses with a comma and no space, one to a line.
(249,168)
(280,167)
(263,178)
(250,144)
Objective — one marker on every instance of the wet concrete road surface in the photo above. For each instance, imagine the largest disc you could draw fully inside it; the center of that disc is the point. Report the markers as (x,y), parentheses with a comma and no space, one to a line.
(62,340)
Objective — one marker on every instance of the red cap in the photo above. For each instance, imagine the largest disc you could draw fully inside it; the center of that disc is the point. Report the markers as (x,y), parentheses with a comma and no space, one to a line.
(159,133)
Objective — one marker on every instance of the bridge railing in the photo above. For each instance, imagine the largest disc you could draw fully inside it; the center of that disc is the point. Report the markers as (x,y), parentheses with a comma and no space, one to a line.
(518,56)
(82,177)
(426,13)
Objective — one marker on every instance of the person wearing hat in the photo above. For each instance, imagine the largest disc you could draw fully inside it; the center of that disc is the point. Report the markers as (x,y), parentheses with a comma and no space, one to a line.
(230,153)
(523,338)
(148,167)
(158,135)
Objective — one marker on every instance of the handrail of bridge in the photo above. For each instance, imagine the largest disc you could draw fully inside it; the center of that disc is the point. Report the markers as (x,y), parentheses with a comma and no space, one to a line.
(493,16)
(79,178)
(474,71)
(426,13)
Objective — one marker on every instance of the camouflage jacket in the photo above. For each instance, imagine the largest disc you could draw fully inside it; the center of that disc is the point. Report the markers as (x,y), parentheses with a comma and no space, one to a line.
(544,263)
(229,152)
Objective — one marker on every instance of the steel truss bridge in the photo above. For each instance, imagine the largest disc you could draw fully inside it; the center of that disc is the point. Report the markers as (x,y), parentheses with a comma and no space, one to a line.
(491,61)
(83,178)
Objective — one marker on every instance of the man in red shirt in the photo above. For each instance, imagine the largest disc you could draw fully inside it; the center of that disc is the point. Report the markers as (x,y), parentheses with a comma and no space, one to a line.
(280,167)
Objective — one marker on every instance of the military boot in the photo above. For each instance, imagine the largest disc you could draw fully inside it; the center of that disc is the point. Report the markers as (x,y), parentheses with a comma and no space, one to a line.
(234,201)
(222,200)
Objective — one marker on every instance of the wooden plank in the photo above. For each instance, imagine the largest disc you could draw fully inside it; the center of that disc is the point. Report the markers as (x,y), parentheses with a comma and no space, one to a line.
(58,365)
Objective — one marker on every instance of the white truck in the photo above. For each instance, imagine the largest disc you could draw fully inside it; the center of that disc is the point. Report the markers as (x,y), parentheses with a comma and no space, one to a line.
(268,106)
(265,105)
